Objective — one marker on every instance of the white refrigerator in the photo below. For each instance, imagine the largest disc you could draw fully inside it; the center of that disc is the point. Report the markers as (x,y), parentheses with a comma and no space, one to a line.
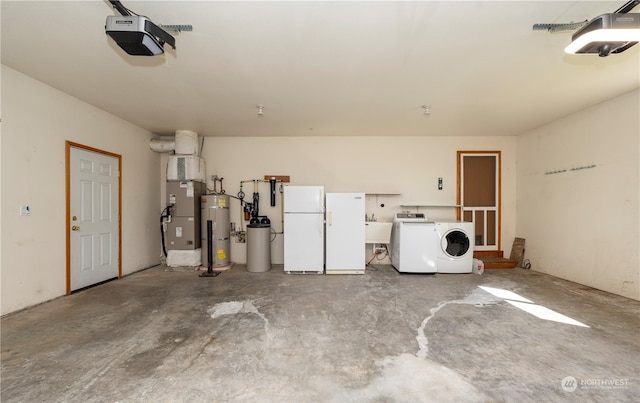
(304,229)
(345,233)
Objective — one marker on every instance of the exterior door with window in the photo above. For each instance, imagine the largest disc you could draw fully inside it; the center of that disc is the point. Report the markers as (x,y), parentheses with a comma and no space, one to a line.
(479,196)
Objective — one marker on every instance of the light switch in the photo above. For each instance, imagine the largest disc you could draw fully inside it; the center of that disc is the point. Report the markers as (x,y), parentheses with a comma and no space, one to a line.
(25,210)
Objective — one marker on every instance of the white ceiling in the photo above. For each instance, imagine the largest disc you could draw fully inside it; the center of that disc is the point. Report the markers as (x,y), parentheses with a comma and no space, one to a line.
(324,68)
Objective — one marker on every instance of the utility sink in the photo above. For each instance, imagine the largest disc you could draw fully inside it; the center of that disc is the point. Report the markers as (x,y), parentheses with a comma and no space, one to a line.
(377,232)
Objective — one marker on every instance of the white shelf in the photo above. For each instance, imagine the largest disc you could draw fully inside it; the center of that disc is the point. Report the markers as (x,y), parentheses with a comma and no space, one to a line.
(383,194)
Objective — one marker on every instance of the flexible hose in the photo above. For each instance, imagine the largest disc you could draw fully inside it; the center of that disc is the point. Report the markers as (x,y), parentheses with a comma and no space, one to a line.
(162,217)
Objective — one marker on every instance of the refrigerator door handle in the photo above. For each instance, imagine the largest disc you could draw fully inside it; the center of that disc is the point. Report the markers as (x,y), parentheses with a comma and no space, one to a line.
(330,218)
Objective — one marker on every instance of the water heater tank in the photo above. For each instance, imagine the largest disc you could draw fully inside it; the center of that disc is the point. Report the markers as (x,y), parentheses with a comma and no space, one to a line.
(216,208)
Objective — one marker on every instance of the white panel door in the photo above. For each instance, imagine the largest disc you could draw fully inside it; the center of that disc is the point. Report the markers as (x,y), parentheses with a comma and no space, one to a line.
(345,231)
(94,217)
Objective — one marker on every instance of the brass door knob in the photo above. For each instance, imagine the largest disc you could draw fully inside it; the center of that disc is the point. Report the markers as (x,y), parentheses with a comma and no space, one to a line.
(75,228)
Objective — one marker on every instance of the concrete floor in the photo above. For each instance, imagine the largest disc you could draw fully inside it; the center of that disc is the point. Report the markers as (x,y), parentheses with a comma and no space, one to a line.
(163,335)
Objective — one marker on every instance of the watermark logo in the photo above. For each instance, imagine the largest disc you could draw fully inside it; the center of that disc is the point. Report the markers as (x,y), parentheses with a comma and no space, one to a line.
(569,384)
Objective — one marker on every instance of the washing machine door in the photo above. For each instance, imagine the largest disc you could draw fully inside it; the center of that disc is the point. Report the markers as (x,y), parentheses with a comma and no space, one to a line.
(455,243)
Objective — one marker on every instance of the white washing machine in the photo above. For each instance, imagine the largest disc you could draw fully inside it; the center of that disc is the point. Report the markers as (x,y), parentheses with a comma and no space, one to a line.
(414,244)
(455,246)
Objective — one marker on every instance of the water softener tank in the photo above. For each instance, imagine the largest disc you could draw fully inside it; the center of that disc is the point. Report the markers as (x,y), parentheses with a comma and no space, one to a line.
(216,208)
(259,246)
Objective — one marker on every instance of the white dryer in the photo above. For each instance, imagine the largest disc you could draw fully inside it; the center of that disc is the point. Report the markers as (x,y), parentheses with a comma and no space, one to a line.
(455,249)
(414,244)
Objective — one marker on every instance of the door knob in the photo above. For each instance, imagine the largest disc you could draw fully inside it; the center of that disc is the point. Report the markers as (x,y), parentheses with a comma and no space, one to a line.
(75,228)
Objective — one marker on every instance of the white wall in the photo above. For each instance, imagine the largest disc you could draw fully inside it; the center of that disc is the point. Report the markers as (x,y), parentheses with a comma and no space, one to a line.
(406,165)
(584,225)
(36,121)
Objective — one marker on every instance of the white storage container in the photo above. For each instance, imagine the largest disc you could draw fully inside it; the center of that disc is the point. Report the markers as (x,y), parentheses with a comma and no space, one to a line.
(186,168)
(478,266)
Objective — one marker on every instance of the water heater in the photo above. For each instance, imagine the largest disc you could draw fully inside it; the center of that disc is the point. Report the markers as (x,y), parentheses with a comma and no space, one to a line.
(215,208)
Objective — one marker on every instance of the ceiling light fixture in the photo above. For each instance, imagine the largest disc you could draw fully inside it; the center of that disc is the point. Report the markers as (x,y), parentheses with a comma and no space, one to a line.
(605,34)
(608,33)
(260,110)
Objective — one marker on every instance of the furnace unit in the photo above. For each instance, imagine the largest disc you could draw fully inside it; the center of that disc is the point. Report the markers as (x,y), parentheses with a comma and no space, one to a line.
(183,231)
